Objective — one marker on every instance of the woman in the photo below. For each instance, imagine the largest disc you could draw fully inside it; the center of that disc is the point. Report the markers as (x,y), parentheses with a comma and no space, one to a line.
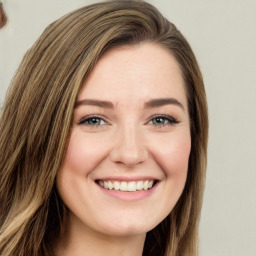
(103,138)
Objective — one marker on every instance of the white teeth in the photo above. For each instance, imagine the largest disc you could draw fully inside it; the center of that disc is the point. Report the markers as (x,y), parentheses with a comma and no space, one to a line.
(130,186)
(150,184)
(101,183)
(116,185)
(123,186)
(140,185)
(146,185)
(110,185)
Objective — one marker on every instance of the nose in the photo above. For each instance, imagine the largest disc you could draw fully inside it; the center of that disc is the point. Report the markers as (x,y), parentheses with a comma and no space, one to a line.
(129,148)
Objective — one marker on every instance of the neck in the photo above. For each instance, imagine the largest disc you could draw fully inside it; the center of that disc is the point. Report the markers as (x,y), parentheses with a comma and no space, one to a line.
(80,240)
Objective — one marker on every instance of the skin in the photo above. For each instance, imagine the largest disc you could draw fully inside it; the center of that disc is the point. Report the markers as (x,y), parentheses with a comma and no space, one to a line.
(125,141)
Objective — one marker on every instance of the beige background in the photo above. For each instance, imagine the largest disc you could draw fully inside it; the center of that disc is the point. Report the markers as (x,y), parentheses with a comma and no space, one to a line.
(223,36)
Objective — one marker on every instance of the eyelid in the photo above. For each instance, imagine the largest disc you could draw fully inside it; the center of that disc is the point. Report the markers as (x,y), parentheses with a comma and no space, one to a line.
(169,118)
(84,119)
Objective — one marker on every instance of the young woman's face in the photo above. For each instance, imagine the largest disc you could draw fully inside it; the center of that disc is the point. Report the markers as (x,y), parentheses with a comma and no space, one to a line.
(127,159)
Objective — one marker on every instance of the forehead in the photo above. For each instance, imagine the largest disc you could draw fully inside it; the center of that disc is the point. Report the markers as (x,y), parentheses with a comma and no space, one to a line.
(135,72)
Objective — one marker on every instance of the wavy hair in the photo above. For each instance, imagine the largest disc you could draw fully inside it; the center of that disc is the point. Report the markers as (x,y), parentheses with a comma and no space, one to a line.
(37,115)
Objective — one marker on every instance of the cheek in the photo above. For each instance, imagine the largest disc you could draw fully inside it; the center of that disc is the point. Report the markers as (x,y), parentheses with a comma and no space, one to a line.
(84,153)
(173,160)
(173,155)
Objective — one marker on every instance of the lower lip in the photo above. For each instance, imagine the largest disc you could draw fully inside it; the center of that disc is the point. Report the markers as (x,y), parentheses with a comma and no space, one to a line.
(129,196)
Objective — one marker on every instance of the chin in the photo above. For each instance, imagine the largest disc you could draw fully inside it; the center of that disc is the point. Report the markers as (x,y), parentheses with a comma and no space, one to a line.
(127,227)
(128,230)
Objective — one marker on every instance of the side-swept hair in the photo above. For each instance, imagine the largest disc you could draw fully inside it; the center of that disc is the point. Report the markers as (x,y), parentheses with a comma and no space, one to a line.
(38,112)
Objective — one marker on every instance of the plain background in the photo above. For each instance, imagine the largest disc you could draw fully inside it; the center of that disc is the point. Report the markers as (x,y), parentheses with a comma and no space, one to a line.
(222,34)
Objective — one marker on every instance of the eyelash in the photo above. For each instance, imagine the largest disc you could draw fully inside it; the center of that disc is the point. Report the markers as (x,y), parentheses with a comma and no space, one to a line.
(169,120)
(85,120)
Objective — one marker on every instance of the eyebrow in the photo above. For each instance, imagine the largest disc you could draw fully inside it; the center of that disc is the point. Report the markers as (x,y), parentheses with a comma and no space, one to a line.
(98,103)
(153,103)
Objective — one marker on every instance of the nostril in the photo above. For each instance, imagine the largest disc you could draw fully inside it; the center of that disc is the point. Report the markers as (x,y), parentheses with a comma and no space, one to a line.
(129,148)
(130,158)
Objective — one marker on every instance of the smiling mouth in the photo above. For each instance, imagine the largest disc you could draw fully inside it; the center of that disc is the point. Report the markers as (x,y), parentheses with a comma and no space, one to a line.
(130,186)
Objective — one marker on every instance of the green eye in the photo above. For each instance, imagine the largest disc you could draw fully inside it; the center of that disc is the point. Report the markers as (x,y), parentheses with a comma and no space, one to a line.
(159,121)
(163,121)
(93,121)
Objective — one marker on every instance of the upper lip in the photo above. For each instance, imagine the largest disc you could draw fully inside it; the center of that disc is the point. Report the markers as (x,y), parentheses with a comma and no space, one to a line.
(130,178)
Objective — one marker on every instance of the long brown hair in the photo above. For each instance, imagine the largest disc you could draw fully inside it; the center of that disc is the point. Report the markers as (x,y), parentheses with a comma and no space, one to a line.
(37,116)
